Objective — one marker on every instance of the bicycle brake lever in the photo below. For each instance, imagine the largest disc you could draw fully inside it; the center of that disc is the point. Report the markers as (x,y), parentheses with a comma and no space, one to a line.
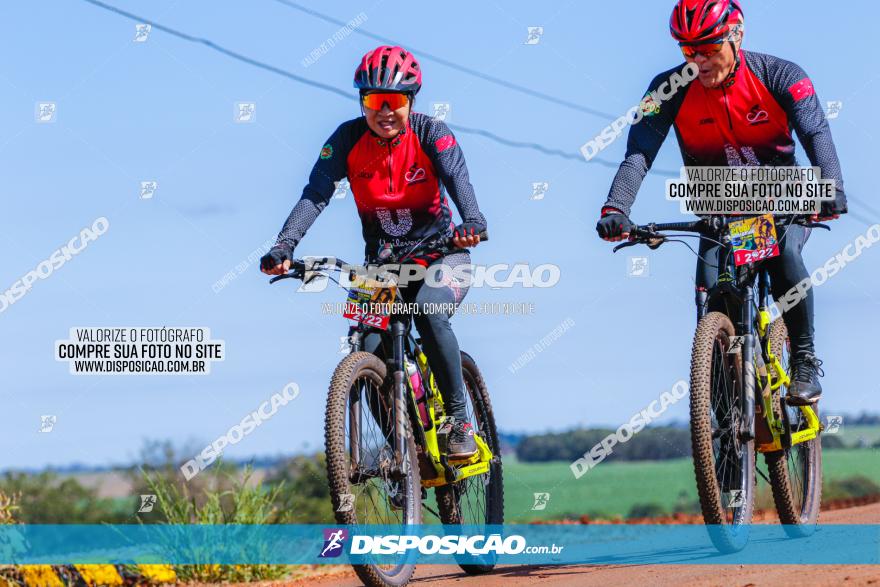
(314,275)
(624,245)
(807,222)
(297,271)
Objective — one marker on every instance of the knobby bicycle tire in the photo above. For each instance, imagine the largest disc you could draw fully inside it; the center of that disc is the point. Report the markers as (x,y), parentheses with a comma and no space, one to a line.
(796,472)
(362,366)
(710,361)
(449,496)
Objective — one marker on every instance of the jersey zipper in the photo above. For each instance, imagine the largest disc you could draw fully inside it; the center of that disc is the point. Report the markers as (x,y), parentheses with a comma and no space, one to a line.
(390,169)
(727,107)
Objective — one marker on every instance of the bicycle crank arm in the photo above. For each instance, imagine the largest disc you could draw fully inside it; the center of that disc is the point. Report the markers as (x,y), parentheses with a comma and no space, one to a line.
(451,473)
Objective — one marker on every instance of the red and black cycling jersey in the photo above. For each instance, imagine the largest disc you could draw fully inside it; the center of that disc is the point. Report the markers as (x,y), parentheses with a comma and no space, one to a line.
(397,184)
(746,121)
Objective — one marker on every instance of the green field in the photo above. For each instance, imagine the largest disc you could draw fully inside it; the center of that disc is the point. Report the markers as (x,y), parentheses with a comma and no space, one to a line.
(614,488)
(854,435)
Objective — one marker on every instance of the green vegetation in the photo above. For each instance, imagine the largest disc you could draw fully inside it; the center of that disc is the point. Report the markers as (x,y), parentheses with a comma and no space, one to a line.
(243,503)
(46,498)
(859,435)
(648,445)
(858,486)
(296,490)
(305,494)
(629,488)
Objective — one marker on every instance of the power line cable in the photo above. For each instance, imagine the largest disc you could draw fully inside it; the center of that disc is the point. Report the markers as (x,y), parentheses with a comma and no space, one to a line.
(348,95)
(470,71)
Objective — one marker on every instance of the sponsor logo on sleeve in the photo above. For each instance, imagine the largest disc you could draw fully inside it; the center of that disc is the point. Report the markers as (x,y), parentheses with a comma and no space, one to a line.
(444,143)
(802,89)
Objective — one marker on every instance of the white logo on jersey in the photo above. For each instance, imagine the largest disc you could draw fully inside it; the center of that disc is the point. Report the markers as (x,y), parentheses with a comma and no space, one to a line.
(403,225)
(734,159)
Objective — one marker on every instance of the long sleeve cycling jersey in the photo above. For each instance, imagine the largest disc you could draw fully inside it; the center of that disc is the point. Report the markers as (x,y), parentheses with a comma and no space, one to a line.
(746,121)
(397,184)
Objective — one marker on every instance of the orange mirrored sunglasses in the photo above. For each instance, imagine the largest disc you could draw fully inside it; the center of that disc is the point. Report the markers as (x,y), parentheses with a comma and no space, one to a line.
(691,51)
(375,101)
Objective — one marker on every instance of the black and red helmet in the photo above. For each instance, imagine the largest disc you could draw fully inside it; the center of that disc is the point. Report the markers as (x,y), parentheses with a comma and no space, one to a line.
(389,68)
(694,22)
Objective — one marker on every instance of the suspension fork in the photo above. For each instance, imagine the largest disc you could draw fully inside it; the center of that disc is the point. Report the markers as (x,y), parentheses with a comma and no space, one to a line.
(747,431)
(398,335)
(702,300)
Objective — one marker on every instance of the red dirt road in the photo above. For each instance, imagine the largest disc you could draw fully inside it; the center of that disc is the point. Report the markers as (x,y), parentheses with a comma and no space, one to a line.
(608,575)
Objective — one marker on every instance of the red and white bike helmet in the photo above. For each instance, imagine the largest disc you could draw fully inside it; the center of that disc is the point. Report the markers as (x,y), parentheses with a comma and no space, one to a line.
(695,22)
(389,68)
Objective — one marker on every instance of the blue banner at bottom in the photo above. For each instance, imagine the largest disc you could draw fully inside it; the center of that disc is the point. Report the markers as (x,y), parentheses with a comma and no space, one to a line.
(435,544)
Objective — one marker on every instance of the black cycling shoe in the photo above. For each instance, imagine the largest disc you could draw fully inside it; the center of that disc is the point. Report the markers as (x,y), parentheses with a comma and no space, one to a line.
(805,389)
(460,443)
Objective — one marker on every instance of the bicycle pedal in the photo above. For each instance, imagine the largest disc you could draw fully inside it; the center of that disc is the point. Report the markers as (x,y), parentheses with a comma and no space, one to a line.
(469,460)
(799,403)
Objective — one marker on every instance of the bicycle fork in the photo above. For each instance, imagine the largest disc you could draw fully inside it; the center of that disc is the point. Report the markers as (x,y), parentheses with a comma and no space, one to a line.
(398,333)
(747,427)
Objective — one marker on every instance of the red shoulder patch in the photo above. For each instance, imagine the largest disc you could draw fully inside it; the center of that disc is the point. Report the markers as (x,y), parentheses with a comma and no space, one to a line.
(802,89)
(444,143)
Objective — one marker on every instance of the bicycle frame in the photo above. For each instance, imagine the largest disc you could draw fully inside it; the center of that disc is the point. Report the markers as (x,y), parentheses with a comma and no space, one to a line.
(776,376)
(403,346)
(738,282)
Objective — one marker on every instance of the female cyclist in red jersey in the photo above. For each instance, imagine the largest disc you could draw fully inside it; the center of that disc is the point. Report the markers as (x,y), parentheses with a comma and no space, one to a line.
(401,165)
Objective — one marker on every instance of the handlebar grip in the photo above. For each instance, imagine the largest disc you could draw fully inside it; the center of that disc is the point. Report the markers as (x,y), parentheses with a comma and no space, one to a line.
(484,236)
(808,222)
(686,226)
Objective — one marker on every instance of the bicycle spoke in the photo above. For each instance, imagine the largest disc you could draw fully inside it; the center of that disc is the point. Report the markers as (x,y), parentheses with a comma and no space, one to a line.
(372,487)
(725,419)
(470,493)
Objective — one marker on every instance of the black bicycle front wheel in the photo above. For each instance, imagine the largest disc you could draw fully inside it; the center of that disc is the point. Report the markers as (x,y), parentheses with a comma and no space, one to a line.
(365,487)
(724,460)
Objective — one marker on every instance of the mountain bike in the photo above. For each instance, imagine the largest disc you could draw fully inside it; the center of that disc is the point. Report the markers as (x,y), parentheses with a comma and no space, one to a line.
(385,427)
(738,381)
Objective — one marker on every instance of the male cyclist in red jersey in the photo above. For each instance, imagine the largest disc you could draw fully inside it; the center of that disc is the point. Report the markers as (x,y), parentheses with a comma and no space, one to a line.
(398,163)
(739,111)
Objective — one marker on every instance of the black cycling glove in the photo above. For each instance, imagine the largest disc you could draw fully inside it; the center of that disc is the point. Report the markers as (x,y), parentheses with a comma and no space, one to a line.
(613,224)
(276,256)
(835,206)
(468,229)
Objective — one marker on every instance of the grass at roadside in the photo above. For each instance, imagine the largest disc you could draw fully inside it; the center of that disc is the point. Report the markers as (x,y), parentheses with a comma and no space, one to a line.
(613,489)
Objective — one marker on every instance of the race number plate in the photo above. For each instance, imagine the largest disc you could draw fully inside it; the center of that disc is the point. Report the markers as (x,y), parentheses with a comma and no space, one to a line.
(370,302)
(753,239)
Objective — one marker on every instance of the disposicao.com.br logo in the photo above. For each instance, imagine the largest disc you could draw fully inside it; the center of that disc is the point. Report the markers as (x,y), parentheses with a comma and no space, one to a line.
(450,544)
(334,542)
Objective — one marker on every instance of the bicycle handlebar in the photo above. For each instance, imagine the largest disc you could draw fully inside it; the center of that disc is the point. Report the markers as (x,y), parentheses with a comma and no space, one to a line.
(441,243)
(298,266)
(645,233)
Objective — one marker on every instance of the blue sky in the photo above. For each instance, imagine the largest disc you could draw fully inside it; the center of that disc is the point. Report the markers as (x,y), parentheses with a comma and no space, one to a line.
(163,110)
